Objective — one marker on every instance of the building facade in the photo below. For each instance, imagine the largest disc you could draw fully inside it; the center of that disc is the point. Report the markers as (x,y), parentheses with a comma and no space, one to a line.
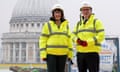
(20,44)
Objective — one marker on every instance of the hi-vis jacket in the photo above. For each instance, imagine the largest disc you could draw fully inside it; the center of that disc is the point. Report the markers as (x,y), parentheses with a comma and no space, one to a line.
(92,32)
(54,40)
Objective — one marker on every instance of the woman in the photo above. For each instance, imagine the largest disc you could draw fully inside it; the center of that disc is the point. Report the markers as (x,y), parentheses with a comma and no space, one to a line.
(55,43)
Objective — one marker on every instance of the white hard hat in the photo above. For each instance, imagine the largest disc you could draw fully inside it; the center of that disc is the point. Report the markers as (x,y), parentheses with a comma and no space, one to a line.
(85,4)
(57,6)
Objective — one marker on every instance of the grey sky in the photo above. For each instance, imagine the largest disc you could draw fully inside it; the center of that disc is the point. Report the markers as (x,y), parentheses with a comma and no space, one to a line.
(106,10)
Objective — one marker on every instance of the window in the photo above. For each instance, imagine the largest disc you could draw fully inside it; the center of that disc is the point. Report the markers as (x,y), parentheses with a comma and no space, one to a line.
(37,52)
(26,24)
(37,56)
(23,44)
(32,24)
(13,25)
(17,53)
(23,51)
(11,52)
(21,25)
(38,24)
(17,25)
(36,45)
(23,54)
(23,59)
(17,59)
(17,45)
(11,45)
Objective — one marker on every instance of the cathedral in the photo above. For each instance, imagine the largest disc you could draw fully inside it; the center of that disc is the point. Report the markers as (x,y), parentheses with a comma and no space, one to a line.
(20,44)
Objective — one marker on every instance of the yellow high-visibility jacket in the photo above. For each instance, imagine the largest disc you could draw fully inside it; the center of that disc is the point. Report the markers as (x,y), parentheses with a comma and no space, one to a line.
(54,40)
(92,32)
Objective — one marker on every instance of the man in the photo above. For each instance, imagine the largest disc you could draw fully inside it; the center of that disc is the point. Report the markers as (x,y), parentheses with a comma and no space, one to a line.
(88,35)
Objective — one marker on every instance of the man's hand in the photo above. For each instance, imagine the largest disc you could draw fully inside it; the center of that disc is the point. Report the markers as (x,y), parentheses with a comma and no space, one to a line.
(81,42)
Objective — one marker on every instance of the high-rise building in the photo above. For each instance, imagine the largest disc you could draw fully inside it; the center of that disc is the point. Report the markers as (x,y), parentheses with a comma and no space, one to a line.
(20,44)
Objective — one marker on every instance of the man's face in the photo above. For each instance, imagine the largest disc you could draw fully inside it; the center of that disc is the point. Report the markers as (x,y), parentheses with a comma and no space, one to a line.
(57,15)
(86,11)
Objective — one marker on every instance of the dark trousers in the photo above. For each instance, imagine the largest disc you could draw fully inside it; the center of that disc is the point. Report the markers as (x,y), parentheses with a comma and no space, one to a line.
(88,61)
(56,63)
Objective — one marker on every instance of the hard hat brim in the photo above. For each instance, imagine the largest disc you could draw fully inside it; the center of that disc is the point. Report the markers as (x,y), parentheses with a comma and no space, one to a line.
(58,9)
(85,7)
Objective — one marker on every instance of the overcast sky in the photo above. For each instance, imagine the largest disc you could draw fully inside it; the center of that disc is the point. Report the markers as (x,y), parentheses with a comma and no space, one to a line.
(106,10)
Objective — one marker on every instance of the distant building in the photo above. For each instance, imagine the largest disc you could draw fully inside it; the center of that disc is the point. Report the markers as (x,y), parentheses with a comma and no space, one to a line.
(20,45)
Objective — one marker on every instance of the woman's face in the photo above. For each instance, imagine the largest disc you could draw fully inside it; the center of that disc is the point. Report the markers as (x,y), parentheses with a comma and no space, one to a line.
(57,15)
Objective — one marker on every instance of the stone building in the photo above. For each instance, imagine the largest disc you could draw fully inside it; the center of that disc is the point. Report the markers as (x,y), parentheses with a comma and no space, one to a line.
(20,44)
